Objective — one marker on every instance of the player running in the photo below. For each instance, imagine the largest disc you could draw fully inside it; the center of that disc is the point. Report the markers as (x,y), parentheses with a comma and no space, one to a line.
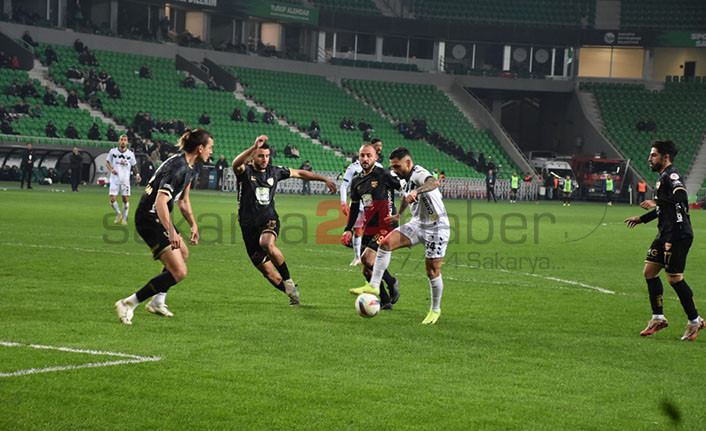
(354,169)
(258,219)
(671,246)
(120,162)
(169,183)
(429,225)
(373,191)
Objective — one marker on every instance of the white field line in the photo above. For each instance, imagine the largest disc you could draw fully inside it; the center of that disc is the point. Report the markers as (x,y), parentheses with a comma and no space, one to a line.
(133,359)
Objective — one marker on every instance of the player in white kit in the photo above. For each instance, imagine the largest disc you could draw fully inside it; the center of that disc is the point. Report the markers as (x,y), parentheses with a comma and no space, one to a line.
(429,226)
(353,170)
(120,162)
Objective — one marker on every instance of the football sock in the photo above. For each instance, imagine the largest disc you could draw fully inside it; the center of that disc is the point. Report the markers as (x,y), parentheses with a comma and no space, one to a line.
(654,287)
(356,246)
(384,296)
(160,283)
(389,279)
(694,320)
(283,271)
(658,317)
(132,301)
(280,286)
(159,299)
(436,286)
(382,261)
(686,297)
(126,208)
(115,207)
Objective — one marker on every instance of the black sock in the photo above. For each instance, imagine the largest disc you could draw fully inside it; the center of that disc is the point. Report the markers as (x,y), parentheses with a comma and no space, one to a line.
(280,286)
(389,279)
(687,299)
(654,286)
(160,283)
(283,270)
(384,296)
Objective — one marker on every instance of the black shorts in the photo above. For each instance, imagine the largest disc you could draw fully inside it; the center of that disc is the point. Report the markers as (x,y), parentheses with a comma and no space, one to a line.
(672,256)
(372,241)
(251,236)
(152,231)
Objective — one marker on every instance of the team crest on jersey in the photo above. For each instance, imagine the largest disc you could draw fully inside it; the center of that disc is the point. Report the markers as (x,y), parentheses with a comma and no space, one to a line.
(252,178)
(374,184)
(271,181)
(674,176)
(658,184)
(667,246)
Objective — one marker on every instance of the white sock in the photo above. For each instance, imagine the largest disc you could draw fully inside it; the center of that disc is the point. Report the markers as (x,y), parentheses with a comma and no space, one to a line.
(132,301)
(115,207)
(436,286)
(382,261)
(657,316)
(159,298)
(126,208)
(356,246)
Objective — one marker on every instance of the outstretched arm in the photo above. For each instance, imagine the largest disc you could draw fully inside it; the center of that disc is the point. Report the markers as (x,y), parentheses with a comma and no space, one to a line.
(430,184)
(306,175)
(239,161)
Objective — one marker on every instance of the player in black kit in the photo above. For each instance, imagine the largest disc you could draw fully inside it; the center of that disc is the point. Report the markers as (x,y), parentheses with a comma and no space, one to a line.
(154,224)
(674,238)
(258,219)
(374,189)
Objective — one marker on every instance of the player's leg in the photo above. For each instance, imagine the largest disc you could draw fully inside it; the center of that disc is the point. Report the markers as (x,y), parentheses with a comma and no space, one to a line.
(126,205)
(436,287)
(267,243)
(675,262)
(654,262)
(368,261)
(158,303)
(113,193)
(392,241)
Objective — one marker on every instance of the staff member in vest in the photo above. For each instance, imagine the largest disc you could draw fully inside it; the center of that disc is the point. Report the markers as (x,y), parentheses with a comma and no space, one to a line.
(641,190)
(514,185)
(26,166)
(490,185)
(568,188)
(609,187)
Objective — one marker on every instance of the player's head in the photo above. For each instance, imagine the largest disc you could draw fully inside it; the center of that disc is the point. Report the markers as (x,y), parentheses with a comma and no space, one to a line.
(401,162)
(122,142)
(197,141)
(261,157)
(29,145)
(75,150)
(377,144)
(367,156)
(662,154)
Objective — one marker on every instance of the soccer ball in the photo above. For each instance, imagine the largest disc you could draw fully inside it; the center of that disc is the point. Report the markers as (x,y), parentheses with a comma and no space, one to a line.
(367,305)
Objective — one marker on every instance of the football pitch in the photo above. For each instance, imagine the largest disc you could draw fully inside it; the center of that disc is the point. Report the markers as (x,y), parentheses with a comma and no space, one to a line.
(541,312)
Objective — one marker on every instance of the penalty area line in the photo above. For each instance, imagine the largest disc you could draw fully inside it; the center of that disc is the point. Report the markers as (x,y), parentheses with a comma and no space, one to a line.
(131,359)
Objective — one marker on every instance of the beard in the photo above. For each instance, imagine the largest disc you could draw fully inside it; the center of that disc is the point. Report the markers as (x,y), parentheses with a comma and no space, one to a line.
(656,167)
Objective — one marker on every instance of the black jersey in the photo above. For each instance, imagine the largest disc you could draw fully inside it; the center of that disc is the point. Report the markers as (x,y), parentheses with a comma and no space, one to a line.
(172,177)
(375,193)
(672,214)
(256,194)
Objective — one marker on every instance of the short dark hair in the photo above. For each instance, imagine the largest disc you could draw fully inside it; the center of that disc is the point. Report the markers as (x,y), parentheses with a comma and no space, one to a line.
(399,153)
(375,141)
(666,147)
(264,146)
(191,140)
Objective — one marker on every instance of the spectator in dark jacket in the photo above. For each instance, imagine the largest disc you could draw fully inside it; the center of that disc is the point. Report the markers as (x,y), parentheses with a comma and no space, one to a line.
(94,133)
(235,116)
(50,130)
(205,119)
(71,132)
(72,100)
(49,99)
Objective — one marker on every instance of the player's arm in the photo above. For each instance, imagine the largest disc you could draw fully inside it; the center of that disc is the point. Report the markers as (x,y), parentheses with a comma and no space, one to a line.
(345,184)
(110,167)
(306,175)
(429,184)
(137,172)
(678,195)
(396,217)
(352,216)
(242,158)
(185,207)
(162,208)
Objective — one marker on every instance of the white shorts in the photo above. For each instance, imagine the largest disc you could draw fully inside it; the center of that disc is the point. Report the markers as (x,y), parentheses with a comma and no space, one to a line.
(115,188)
(435,237)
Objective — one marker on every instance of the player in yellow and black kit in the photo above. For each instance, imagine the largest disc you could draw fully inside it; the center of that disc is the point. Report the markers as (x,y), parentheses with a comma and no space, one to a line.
(674,238)
(374,190)
(257,217)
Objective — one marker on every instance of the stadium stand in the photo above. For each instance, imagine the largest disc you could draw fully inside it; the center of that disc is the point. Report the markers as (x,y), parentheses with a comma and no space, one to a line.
(404,102)
(553,13)
(303,98)
(675,113)
(675,14)
(374,64)
(362,7)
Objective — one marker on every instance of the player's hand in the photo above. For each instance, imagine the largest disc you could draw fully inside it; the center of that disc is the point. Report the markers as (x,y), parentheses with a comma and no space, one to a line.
(175,239)
(632,221)
(346,237)
(392,218)
(648,204)
(411,197)
(194,238)
(345,209)
(331,186)
(114,172)
(139,178)
(260,141)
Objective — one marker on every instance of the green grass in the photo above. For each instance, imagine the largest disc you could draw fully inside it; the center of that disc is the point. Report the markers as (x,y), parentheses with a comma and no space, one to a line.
(514,349)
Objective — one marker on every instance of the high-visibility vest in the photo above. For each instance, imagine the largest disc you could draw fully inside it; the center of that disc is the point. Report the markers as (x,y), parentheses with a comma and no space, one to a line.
(515,182)
(609,185)
(642,187)
(567,186)
(435,175)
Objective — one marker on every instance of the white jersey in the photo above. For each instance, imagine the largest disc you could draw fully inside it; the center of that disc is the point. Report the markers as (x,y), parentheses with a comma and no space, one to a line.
(352,170)
(429,207)
(122,162)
